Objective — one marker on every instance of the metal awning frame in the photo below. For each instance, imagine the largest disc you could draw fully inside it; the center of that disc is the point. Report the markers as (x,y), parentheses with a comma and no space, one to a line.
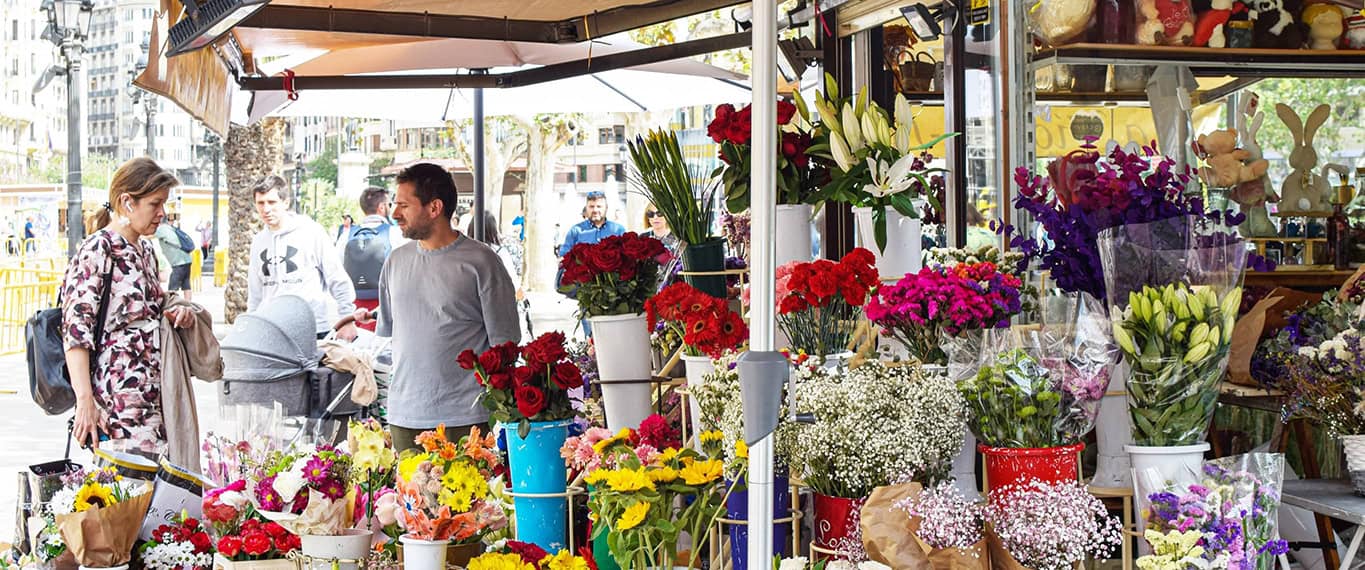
(507,80)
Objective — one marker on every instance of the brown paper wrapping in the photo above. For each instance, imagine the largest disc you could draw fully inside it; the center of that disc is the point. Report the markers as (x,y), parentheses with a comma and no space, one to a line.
(1000,557)
(1266,315)
(889,536)
(104,537)
(1341,293)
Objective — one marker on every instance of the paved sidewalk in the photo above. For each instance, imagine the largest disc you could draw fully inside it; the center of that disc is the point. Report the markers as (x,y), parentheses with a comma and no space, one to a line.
(27,436)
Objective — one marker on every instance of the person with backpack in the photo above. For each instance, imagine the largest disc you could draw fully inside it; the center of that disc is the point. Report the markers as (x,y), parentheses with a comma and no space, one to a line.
(366,247)
(176,245)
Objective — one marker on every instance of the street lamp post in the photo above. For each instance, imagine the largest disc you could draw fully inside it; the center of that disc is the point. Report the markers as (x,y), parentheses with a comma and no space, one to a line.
(147,98)
(68,23)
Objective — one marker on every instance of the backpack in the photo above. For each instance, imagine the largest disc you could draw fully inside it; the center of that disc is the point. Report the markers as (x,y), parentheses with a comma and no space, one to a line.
(186,243)
(366,250)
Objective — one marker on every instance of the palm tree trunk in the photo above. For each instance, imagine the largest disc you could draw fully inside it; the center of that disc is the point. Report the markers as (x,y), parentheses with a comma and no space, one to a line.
(250,154)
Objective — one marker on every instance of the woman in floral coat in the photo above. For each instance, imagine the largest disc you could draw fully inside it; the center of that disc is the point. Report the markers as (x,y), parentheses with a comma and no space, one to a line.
(120,396)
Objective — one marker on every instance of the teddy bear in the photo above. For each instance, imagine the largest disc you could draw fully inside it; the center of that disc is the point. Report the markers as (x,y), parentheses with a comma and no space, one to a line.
(1165,22)
(1325,25)
(1211,25)
(1227,164)
(1276,26)
(1057,22)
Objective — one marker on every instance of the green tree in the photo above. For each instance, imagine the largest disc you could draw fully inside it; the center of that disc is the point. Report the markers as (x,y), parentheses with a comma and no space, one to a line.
(1346,96)
(377,167)
(324,167)
(504,142)
(330,206)
(97,170)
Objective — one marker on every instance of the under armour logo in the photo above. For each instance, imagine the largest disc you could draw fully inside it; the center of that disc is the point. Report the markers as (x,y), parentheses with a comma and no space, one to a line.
(287,259)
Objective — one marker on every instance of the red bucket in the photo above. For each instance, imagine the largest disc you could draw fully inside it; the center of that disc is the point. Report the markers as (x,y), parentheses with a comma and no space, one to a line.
(1012,466)
(836,524)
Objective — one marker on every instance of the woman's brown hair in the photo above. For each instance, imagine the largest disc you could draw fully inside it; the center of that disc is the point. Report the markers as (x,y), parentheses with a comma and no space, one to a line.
(136,179)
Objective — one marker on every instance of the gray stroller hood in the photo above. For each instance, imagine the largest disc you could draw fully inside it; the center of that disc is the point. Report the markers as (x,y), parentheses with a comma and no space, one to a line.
(276,341)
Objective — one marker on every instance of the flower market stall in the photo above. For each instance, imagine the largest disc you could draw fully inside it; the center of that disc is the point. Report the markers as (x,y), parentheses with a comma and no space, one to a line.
(1077,344)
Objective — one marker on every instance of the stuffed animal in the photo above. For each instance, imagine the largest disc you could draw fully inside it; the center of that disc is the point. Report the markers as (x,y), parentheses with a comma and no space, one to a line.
(1325,25)
(1355,30)
(1165,22)
(1057,22)
(1275,24)
(1253,193)
(1228,164)
(1208,28)
(1303,190)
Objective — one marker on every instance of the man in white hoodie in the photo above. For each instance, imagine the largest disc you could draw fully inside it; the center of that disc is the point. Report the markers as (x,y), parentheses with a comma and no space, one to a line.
(293,255)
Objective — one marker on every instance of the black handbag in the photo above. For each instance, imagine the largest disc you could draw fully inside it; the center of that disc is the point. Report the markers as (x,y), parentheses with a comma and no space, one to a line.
(48,378)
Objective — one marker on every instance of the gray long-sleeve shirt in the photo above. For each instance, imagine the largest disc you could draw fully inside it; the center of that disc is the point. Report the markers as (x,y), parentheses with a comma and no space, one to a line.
(435,304)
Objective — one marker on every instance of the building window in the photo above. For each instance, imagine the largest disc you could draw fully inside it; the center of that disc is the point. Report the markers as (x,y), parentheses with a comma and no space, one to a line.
(583,173)
(604,135)
(620,132)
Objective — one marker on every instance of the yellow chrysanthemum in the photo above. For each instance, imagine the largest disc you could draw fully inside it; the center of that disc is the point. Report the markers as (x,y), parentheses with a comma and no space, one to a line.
(498,561)
(93,495)
(663,475)
(564,560)
(632,517)
(408,466)
(702,472)
(627,480)
(461,486)
(741,449)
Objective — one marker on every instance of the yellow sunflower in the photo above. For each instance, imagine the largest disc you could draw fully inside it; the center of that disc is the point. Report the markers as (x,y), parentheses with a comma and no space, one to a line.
(667,455)
(626,480)
(663,475)
(498,561)
(741,449)
(632,517)
(597,476)
(93,495)
(710,436)
(620,436)
(564,560)
(702,472)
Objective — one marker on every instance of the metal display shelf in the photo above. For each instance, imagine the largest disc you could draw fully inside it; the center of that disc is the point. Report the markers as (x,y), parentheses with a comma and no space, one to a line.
(1212,61)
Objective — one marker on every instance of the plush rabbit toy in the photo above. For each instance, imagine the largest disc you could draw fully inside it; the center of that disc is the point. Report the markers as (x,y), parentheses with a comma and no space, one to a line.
(1303,190)
(1254,191)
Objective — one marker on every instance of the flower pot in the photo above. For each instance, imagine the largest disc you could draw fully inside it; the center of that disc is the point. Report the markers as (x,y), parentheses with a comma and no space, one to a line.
(1354,446)
(737,508)
(222,563)
(601,551)
(351,545)
(697,366)
(706,257)
(421,554)
(536,468)
(1113,470)
(793,225)
(1158,468)
(1006,466)
(836,524)
(623,368)
(902,254)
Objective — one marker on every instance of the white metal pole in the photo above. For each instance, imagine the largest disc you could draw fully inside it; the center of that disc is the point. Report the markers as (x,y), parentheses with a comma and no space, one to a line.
(763,187)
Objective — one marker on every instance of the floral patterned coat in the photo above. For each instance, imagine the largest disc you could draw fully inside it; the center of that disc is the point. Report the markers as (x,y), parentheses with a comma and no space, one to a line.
(127,380)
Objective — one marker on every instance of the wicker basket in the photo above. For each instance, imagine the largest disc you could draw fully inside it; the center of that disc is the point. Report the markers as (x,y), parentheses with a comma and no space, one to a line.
(1354,445)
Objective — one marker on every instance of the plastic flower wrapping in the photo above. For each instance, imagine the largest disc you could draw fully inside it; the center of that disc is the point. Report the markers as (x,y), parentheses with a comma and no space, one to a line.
(873,425)
(1040,385)
(818,301)
(444,491)
(1225,520)
(639,502)
(1052,526)
(942,301)
(1175,289)
(308,491)
(1326,384)
(184,545)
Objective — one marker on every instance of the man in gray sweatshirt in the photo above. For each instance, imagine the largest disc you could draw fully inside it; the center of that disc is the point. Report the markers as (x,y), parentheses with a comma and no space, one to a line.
(440,294)
(293,255)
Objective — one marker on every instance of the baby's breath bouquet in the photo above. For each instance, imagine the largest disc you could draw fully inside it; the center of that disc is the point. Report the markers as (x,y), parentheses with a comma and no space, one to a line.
(874,425)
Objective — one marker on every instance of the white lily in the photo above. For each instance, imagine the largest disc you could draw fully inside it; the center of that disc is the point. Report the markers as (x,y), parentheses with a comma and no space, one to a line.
(888,180)
(869,127)
(905,122)
(843,157)
(852,129)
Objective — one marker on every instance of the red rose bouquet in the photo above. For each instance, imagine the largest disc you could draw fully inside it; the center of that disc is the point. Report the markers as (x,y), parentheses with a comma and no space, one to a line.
(184,545)
(705,323)
(614,276)
(526,384)
(257,540)
(818,301)
(798,177)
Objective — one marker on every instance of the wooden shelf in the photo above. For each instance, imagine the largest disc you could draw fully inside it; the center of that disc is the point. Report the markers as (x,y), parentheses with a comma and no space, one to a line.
(1298,278)
(1212,61)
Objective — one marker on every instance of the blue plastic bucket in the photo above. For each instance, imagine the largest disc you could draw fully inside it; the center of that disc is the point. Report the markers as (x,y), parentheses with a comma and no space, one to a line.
(536,467)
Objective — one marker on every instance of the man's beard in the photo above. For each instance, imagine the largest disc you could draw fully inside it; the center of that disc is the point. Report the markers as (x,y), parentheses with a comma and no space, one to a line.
(416,232)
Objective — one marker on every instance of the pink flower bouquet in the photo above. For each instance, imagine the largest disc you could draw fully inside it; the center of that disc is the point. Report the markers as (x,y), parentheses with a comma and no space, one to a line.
(923,308)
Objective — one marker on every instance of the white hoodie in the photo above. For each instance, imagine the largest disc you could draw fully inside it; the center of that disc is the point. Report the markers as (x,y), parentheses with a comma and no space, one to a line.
(300,259)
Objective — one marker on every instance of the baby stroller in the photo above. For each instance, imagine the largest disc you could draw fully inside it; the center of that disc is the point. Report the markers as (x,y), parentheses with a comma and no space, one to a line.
(272,356)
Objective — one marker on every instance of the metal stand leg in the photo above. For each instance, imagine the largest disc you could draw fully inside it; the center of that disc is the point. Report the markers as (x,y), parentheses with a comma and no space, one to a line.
(1351,550)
